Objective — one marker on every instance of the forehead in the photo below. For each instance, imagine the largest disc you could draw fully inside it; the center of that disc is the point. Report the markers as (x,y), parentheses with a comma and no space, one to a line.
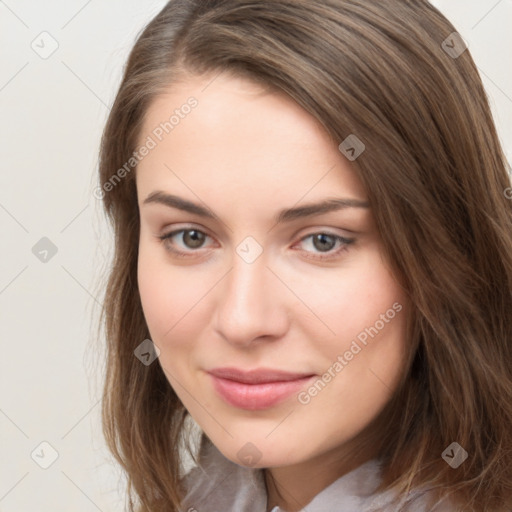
(240,135)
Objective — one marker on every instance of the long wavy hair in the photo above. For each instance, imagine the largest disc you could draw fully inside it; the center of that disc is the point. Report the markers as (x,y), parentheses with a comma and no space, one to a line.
(437,183)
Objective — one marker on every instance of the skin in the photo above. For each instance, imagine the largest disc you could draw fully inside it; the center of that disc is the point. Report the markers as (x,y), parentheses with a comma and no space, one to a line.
(246,153)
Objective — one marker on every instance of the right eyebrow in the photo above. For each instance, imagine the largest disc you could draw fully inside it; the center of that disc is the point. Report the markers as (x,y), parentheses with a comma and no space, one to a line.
(173,201)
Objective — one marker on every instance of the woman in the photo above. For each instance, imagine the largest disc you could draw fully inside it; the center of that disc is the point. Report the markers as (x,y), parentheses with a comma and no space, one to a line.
(313,261)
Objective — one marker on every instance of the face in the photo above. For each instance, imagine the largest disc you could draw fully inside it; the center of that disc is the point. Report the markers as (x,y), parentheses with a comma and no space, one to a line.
(279,323)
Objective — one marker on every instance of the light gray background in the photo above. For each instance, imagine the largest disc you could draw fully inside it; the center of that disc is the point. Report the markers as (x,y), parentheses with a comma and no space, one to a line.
(52,114)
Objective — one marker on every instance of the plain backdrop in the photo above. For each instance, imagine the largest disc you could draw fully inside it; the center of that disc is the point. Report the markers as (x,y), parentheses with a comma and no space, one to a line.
(55,244)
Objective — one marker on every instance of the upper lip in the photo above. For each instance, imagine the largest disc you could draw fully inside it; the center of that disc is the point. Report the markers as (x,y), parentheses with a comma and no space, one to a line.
(257,376)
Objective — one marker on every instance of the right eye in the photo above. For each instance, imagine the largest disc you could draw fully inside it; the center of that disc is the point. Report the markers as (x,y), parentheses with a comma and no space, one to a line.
(184,242)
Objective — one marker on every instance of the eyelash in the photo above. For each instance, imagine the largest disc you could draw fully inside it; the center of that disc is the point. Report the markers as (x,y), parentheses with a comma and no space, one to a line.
(345,243)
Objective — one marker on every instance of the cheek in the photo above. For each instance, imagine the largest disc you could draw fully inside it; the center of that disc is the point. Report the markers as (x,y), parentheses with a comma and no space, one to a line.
(363,361)
(170,296)
(351,300)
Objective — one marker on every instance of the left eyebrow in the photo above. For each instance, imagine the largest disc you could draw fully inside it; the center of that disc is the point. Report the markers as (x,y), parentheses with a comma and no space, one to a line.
(286,215)
(329,205)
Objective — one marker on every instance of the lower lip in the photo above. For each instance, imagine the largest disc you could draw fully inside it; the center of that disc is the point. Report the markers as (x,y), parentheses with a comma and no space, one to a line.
(254,397)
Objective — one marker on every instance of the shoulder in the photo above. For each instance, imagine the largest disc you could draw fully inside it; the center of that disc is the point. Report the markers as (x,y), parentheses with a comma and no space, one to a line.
(419,500)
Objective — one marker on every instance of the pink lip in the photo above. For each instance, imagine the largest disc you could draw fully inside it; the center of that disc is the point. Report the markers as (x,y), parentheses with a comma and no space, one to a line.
(256,389)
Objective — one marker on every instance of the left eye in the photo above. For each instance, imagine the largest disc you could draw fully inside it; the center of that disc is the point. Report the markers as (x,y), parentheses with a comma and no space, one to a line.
(325,243)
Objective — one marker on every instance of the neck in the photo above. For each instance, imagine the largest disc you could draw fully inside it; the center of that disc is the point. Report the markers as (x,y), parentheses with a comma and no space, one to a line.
(293,487)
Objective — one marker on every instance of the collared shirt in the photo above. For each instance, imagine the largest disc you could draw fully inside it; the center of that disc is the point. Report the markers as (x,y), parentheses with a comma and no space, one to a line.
(219,485)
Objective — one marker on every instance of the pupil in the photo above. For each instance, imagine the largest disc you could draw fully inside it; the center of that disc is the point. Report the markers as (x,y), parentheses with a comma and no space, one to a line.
(193,238)
(325,242)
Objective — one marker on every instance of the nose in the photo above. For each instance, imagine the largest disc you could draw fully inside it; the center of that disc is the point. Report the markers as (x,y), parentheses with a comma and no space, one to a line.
(251,304)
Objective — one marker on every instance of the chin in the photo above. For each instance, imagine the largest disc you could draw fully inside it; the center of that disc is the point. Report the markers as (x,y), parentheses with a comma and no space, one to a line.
(255,451)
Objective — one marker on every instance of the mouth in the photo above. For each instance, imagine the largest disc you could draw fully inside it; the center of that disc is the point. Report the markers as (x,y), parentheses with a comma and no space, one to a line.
(257,389)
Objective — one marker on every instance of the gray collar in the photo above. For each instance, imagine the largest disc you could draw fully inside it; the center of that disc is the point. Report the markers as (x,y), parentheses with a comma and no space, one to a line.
(219,485)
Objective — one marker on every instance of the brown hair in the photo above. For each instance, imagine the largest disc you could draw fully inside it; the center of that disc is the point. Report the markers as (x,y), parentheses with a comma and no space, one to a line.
(435,176)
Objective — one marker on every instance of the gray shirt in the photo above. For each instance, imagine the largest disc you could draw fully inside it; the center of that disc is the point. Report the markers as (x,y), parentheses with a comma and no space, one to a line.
(219,485)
